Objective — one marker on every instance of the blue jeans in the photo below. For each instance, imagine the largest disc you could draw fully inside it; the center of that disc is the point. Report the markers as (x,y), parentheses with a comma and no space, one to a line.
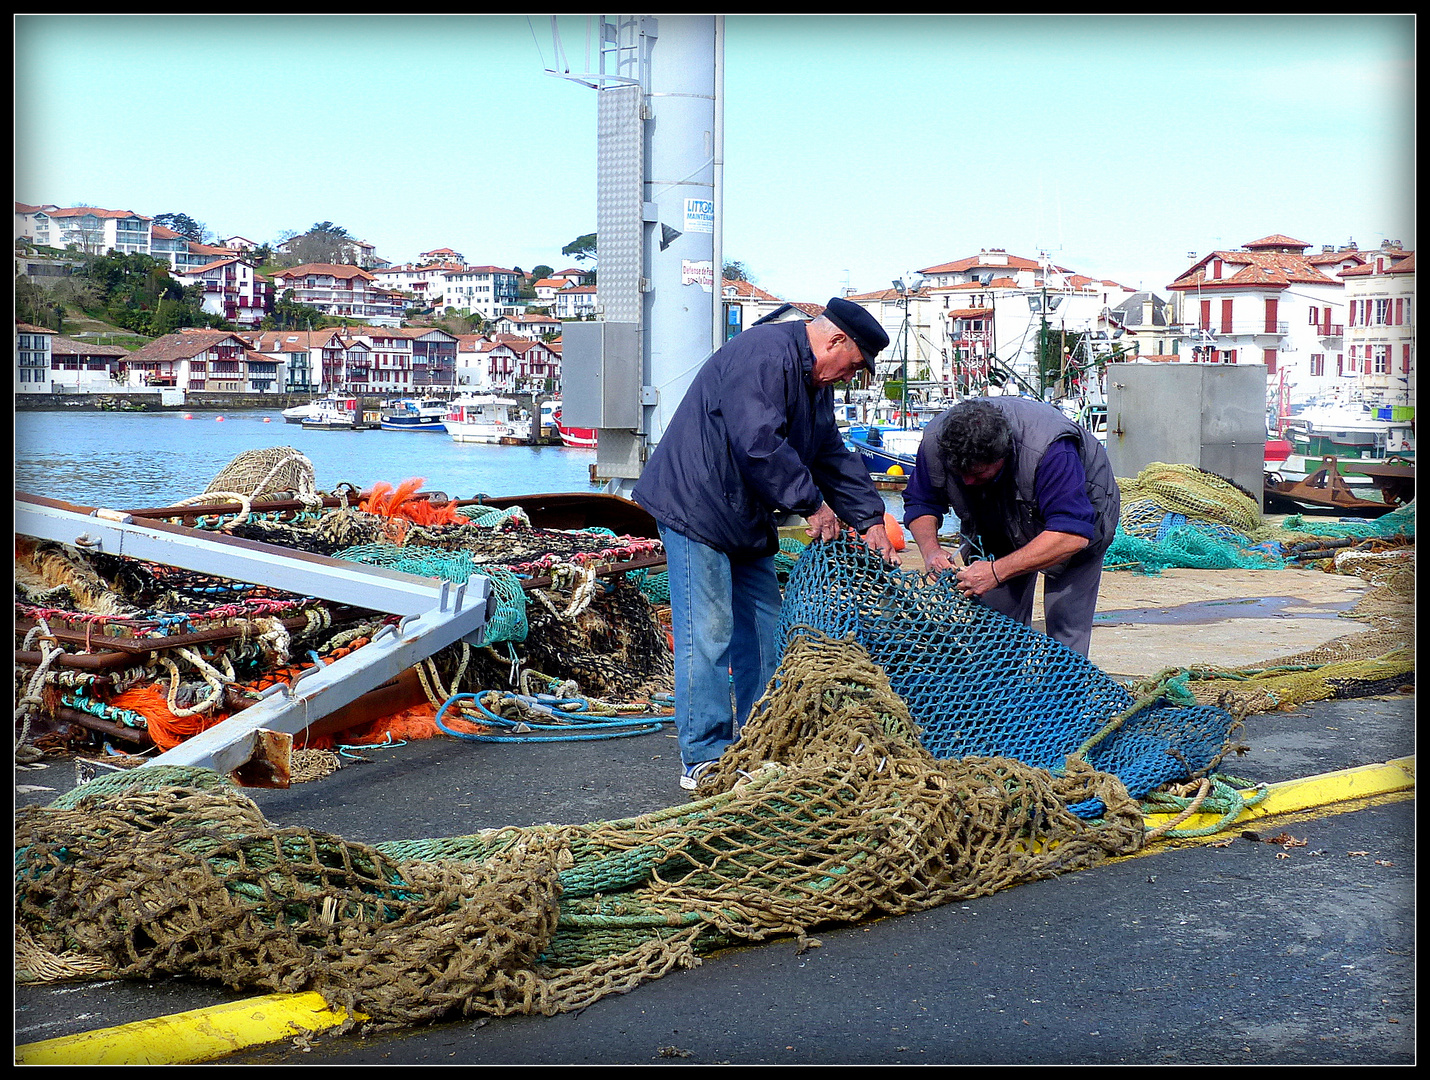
(724,617)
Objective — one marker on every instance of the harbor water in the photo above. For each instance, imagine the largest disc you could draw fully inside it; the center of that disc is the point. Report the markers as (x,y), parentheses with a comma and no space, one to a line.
(128,460)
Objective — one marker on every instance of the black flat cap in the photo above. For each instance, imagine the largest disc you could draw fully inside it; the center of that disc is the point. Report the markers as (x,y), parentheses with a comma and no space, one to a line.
(861,327)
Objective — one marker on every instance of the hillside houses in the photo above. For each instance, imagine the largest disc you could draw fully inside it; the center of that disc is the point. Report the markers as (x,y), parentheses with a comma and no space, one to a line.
(1329,322)
(343,291)
(232,290)
(507,364)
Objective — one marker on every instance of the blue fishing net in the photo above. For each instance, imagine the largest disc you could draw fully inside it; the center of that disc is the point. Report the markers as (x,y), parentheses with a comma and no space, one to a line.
(980,684)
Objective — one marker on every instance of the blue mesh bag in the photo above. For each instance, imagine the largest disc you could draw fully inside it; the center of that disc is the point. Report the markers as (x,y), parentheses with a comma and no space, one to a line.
(981,684)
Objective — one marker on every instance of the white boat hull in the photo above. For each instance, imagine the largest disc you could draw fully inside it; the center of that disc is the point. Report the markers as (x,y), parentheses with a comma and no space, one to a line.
(491,434)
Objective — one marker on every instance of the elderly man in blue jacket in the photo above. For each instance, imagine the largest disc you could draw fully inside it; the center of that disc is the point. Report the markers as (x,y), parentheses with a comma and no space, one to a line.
(753,436)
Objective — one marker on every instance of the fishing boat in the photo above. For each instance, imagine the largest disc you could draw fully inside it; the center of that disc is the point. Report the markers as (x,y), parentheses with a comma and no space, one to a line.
(582,438)
(298,413)
(415,414)
(885,449)
(480,418)
(1352,434)
(334,414)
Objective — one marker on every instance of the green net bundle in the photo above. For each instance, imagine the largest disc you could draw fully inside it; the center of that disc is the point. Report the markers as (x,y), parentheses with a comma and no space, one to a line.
(828,810)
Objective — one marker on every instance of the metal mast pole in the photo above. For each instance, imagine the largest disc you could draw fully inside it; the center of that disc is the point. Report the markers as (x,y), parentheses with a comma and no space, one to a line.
(660,165)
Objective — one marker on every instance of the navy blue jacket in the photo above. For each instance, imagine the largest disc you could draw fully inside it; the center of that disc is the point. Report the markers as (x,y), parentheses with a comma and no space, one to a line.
(753,436)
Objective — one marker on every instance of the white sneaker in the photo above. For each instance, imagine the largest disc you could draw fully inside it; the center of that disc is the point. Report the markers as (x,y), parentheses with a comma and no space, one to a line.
(691,777)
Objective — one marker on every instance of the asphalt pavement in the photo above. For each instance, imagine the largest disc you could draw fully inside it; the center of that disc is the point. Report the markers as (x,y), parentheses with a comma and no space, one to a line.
(1223,951)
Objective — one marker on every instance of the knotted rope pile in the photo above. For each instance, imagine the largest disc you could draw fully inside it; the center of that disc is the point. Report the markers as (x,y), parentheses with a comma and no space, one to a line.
(828,810)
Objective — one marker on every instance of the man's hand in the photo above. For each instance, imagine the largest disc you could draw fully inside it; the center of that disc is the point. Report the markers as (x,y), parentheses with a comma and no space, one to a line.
(823,523)
(977,578)
(877,539)
(939,560)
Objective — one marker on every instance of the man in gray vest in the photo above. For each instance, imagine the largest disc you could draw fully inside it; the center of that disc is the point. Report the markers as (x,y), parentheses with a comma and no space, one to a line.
(1033,492)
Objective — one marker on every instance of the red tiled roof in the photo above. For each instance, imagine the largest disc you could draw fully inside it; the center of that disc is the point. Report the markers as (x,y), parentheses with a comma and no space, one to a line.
(210,266)
(748,290)
(331,269)
(80,211)
(182,346)
(63,346)
(1253,269)
(972,262)
(970,313)
(1276,240)
(1402,262)
(26,328)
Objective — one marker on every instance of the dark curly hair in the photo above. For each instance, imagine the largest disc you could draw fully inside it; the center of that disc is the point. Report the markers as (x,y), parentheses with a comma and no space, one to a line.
(976,433)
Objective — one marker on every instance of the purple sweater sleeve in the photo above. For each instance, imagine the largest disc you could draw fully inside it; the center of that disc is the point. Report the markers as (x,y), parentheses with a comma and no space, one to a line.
(1061,487)
(920,497)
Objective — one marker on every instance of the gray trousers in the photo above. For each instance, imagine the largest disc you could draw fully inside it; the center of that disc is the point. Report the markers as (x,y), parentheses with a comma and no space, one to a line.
(1069,599)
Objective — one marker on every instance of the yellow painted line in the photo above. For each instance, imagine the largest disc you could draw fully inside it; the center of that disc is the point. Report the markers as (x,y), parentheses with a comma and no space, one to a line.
(1293,796)
(188,1037)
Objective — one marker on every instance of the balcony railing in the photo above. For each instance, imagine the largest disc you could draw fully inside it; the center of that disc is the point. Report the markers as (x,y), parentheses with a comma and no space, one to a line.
(1240,328)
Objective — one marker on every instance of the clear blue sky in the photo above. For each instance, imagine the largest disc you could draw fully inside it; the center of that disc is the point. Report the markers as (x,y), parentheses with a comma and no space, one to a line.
(857,148)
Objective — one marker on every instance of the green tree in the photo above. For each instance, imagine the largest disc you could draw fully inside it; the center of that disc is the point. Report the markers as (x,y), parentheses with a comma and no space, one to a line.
(185,226)
(582,249)
(541,271)
(288,314)
(323,243)
(734,270)
(35,306)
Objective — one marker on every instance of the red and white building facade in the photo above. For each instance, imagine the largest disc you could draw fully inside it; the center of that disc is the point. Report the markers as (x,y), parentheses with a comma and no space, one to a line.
(1380,327)
(83,367)
(232,289)
(423,280)
(1270,303)
(531,327)
(212,360)
(341,291)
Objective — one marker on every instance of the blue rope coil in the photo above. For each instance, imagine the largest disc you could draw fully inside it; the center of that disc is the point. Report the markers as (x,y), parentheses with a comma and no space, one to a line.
(573,726)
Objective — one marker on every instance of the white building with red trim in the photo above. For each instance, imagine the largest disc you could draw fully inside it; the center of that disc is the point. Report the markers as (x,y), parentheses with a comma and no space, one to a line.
(213,360)
(1380,327)
(341,291)
(531,327)
(89,229)
(79,367)
(423,280)
(232,289)
(1270,303)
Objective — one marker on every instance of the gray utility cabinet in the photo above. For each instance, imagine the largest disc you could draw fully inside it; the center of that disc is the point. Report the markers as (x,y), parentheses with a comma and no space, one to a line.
(1212,416)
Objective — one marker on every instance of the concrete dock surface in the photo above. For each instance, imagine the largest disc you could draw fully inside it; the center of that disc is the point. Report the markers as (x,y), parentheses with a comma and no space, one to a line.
(1228,950)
